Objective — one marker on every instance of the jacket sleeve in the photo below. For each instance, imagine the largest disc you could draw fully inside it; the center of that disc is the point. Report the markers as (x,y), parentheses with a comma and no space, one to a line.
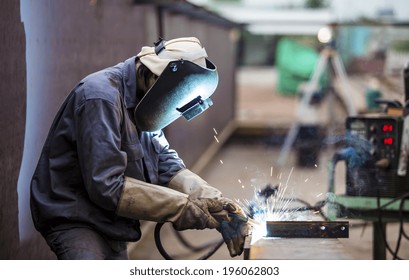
(98,130)
(169,161)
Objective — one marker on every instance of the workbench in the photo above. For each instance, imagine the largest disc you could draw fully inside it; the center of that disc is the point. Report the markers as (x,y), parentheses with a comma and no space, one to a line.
(273,248)
(379,211)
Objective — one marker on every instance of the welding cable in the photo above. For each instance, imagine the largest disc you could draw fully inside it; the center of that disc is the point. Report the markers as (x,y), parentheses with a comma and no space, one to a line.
(392,252)
(158,242)
(401,197)
(318,208)
(183,240)
(401,220)
(215,246)
(382,231)
(403,232)
(398,242)
(402,229)
(401,216)
(308,207)
(302,201)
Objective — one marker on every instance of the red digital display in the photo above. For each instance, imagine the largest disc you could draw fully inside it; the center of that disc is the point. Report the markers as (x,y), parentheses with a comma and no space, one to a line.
(387,128)
(388,141)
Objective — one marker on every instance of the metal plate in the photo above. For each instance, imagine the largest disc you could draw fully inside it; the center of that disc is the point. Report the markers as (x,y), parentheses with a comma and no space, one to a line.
(308,229)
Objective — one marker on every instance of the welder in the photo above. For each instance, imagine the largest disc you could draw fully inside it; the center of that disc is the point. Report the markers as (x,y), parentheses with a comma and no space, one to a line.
(106,164)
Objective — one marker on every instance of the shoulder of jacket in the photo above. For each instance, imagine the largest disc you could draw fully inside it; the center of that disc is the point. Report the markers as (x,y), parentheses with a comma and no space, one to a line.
(105,84)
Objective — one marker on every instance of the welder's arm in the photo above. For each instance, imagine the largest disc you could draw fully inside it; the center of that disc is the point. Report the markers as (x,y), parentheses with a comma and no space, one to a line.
(187,182)
(144,201)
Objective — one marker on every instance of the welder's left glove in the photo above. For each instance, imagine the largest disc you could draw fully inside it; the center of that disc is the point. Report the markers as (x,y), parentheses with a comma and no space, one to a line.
(187,182)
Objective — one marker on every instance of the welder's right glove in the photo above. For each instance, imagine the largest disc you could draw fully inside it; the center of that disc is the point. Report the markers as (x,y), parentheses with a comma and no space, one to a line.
(234,234)
(231,217)
(234,229)
(143,201)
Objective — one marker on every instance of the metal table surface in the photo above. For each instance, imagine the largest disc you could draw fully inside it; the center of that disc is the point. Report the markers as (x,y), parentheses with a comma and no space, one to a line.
(379,211)
(271,248)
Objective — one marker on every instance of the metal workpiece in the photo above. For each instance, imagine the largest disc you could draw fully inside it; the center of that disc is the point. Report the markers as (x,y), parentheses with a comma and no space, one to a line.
(308,229)
(300,240)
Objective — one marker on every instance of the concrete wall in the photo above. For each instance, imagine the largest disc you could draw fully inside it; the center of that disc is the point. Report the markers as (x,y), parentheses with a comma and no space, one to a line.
(12,121)
(49,47)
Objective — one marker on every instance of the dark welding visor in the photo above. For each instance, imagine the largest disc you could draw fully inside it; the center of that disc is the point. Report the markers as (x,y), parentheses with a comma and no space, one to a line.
(183,89)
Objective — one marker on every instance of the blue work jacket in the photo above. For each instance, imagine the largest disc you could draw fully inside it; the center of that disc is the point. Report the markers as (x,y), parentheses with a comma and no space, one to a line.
(92,144)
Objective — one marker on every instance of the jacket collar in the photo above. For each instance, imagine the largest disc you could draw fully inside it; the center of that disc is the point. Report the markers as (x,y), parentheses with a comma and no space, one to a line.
(129,81)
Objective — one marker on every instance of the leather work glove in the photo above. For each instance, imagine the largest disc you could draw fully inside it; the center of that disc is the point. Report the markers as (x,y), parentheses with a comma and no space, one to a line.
(234,228)
(197,214)
(231,216)
(187,182)
(234,234)
(143,201)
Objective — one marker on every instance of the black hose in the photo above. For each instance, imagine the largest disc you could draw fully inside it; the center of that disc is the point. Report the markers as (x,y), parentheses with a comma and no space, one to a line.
(401,218)
(392,252)
(190,246)
(398,242)
(215,245)
(402,232)
(158,242)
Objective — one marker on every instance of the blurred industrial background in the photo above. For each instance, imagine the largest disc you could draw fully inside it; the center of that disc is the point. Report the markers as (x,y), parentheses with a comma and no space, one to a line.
(266,51)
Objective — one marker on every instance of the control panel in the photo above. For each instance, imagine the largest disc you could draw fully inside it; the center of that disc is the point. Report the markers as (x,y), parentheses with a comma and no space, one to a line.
(376,140)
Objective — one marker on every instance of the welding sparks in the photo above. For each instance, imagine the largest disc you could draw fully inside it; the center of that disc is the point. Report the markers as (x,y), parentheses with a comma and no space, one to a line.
(221,162)
(270,204)
(215,131)
(240,182)
(217,140)
(288,179)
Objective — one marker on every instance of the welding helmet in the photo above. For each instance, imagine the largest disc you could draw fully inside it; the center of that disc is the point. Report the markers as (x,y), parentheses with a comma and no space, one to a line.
(186,80)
